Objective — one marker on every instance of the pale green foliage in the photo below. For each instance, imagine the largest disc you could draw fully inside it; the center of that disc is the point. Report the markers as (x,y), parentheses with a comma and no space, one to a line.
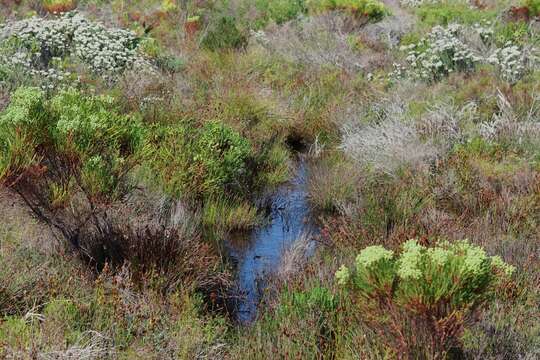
(421,297)
(25,108)
(85,121)
(375,269)
(343,275)
(19,131)
(92,143)
(459,273)
(503,267)
(372,255)
(408,266)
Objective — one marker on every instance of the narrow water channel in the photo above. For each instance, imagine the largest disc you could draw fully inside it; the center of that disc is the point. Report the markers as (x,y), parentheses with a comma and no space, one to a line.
(259,253)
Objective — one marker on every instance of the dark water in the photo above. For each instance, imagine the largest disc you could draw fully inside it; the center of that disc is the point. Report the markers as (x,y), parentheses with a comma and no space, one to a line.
(259,253)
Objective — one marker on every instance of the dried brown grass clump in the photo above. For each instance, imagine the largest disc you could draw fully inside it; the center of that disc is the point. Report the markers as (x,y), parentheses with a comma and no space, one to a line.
(59,6)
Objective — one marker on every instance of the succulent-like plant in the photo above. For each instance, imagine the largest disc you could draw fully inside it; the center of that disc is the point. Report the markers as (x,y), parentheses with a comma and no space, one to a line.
(424,295)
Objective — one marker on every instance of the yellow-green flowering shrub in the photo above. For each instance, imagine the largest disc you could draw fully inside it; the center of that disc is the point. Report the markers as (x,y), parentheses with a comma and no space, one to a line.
(421,297)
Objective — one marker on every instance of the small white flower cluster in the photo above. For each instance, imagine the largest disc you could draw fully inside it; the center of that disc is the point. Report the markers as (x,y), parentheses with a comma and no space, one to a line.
(441,53)
(510,61)
(485,31)
(457,48)
(51,77)
(106,51)
(40,43)
(260,37)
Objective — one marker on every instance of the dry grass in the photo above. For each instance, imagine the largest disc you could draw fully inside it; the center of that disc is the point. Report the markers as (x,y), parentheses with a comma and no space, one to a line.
(92,346)
(319,41)
(388,145)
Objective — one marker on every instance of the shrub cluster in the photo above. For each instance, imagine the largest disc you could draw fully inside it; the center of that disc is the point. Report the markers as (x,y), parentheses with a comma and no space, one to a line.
(510,61)
(43,47)
(205,161)
(456,48)
(68,158)
(441,53)
(372,9)
(422,296)
(83,138)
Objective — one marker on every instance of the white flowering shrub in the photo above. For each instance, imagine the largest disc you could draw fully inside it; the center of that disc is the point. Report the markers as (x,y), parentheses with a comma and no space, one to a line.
(440,53)
(42,47)
(424,295)
(485,30)
(457,48)
(511,62)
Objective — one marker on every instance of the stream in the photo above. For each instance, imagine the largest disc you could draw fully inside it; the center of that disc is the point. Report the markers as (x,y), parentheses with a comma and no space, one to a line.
(258,253)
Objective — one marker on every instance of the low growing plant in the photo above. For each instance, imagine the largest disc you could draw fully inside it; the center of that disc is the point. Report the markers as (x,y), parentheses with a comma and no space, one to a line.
(223,33)
(420,299)
(372,9)
(533,6)
(196,162)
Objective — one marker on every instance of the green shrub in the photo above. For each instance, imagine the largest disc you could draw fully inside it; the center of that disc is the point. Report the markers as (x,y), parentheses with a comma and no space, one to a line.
(69,158)
(421,298)
(452,12)
(373,9)
(194,163)
(72,137)
(533,6)
(514,32)
(223,154)
(223,34)
(281,11)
